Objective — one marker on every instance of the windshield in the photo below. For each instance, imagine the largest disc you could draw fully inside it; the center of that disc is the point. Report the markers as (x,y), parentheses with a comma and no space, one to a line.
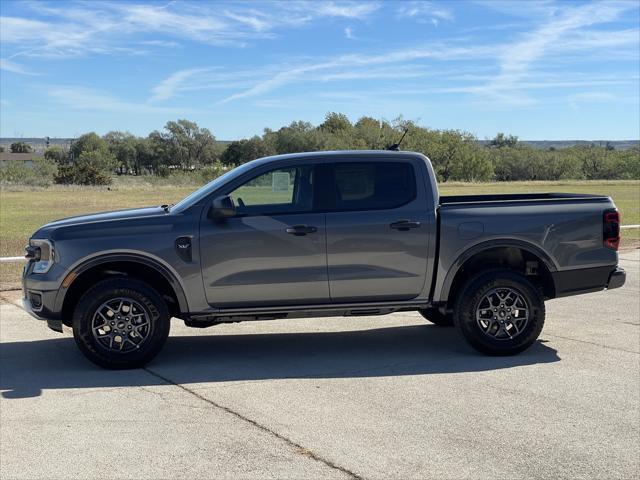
(213,185)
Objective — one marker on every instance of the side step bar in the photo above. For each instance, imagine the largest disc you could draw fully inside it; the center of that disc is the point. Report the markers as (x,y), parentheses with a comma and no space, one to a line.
(232,315)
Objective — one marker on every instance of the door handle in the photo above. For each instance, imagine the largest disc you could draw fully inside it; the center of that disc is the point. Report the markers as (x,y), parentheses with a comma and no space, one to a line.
(404,225)
(301,230)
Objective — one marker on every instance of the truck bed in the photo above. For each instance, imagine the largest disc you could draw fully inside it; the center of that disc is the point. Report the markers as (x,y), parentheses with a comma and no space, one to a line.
(519,197)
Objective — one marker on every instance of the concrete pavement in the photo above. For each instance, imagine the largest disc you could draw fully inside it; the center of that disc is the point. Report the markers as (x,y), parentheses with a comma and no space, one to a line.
(359,397)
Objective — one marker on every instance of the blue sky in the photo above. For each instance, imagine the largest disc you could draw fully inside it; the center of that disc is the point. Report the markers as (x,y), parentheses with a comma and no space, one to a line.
(543,70)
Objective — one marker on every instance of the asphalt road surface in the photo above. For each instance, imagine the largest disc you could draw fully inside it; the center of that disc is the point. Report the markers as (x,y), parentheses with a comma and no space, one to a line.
(367,397)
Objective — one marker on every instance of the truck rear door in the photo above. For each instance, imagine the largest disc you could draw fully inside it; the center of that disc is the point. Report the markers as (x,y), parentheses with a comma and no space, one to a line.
(377,228)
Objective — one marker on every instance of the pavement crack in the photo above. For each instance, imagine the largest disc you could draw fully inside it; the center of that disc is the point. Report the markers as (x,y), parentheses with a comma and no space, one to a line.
(592,343)
(299,449)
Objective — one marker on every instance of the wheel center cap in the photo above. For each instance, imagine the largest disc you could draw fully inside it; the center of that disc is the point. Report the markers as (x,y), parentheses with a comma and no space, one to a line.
(121,324)
(502,314)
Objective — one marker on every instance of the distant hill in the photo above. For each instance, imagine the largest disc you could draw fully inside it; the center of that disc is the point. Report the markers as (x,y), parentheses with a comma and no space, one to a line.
(557,144)
(39,144)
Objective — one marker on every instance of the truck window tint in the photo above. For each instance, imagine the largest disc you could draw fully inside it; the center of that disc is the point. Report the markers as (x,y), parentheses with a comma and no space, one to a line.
(284,190)
(373,186)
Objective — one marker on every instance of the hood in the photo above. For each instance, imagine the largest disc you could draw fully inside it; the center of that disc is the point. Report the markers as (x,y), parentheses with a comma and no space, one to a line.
(128,214)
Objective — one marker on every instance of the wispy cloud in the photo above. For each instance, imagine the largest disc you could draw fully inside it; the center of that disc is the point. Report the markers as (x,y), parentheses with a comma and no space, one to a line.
(81,28)
(567,30)
(352,9)
(333,68)
(348,32)
(425,12)
(9,66)
(81,98)
(168,87)
(562,30)
(161,43)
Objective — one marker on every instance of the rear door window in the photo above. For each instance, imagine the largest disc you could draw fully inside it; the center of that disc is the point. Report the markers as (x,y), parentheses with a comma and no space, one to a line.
(373,185)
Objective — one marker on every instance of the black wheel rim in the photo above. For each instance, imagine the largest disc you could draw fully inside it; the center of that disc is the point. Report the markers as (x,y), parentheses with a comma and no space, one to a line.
(503,313)
(120,325)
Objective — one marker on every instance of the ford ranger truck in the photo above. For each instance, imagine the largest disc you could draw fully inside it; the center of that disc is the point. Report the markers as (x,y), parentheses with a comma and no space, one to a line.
(320,234)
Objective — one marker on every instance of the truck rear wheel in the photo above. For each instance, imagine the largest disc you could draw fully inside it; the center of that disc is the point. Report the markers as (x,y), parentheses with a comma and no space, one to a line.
(121,323)
(436,317)
(499,312)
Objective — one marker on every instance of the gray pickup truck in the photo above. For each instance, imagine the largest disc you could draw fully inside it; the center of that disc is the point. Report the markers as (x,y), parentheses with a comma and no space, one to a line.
(320,234)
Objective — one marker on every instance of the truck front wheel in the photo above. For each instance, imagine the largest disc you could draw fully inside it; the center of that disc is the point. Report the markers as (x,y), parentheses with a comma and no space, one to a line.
(121,323)
(499,312)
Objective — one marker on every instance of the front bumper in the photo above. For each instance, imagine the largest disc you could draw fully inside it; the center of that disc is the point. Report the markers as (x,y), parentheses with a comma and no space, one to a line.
(53,323)
(38,302)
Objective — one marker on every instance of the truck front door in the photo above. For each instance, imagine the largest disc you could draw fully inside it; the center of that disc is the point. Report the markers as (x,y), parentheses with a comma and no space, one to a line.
(273,252)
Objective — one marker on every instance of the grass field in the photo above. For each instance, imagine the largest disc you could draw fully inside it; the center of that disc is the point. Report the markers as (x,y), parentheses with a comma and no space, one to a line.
(22,210)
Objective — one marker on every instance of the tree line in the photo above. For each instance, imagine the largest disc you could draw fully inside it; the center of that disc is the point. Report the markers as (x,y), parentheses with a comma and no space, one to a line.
(183,146)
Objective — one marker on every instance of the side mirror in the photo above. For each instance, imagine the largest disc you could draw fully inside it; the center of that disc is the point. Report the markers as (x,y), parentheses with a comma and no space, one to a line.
(223,207)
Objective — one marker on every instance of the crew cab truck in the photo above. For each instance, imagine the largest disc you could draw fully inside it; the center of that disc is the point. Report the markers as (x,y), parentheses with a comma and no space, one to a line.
(320,234)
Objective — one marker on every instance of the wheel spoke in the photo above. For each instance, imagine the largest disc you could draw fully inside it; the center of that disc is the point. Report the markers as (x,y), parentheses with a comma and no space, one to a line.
(505,319)
(120,325)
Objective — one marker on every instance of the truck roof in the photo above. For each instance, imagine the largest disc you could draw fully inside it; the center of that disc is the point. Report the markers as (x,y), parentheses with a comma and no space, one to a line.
(339,153)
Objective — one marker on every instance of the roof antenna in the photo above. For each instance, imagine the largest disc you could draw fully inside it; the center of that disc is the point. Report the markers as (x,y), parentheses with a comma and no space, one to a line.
(396,146)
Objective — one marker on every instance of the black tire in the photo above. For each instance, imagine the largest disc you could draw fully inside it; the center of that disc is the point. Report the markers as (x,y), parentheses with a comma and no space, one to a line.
(436,317)
(473,294)
(155,330)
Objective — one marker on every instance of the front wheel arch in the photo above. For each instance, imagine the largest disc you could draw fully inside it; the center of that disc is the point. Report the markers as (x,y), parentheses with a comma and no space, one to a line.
(118,266)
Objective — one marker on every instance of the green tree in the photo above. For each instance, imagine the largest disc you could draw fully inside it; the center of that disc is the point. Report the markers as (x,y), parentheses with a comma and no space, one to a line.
(298,136)
(122,146)
(89,142)
(93,167)
(56,154)
(144,157)
(242,151)
(20,147)
(596,162)
(336,123)
(190,145)
(457,156)
(501,140)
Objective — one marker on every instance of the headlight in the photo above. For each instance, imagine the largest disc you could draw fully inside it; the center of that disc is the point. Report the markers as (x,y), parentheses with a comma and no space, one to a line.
(42,253)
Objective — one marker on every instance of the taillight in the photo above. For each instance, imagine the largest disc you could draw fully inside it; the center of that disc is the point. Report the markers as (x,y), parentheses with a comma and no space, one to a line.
(611,229)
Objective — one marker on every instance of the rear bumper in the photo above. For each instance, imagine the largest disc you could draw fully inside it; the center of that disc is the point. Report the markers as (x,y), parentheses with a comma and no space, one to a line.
(587,280)
(617,278)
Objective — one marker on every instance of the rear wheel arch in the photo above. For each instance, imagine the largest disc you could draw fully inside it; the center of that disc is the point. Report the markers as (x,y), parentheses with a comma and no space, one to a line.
(129,266)
(521,257)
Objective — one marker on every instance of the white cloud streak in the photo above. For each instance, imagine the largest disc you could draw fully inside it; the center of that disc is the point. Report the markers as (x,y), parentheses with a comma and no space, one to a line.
(348,32)
(9,66)
(81,98)
(562,31)
(425,12)
(79,28)
(168,87)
